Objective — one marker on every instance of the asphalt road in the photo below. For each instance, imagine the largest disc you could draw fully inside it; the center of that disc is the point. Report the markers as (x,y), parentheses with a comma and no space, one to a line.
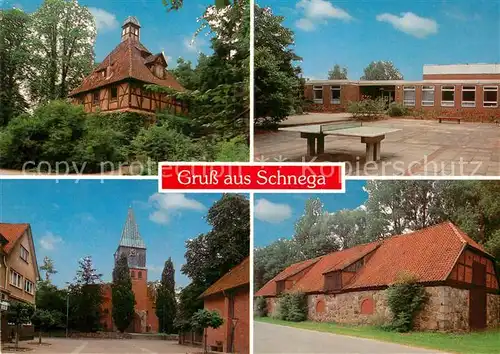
(270,338)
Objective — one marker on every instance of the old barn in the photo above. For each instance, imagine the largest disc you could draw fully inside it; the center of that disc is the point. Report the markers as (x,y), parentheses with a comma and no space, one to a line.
(349,286)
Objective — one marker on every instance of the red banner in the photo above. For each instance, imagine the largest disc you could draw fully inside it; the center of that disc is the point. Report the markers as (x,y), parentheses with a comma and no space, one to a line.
(246,177)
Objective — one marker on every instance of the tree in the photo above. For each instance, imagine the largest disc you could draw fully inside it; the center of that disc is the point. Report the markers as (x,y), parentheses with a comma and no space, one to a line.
(277,84)
(204,319)
(337,73)
(19,313)
(189,302)
(166,308)
(381,70)
(177,4)
(86,297)
(43,320)
(272,259)
(14,56)
(50,298)
(48,268)
(123,298)
(63,35)
(209,256)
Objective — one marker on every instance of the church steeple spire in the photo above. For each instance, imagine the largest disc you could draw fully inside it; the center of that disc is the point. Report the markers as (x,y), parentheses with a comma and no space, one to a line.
(130,233)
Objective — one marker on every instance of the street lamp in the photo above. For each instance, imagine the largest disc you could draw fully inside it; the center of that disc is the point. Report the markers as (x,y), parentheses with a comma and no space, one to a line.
(4,306)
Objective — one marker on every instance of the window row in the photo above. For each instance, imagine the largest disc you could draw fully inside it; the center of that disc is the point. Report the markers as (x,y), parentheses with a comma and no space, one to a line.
(490,96)
(17,280)
(139,275)
(113,95)
(318,94)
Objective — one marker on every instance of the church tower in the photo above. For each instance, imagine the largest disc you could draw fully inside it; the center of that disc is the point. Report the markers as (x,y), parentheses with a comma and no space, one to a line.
(133,247)
(131,29)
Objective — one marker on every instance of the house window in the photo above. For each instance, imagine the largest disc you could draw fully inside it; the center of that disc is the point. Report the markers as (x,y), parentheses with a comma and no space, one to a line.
(139,275)
(96,98)
(132,274)
(335,94)
(24,254)
(28,286)
(428,96)
(448,96)
(469,96)
(490,96)
(409,96)
(318,94)
(16,279)
(114,93)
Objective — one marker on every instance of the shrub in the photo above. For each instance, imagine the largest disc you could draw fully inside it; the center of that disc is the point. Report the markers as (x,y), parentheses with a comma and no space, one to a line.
(292,307)
(260,307)
(232,150)
(405,298)
(367,109)
(397,110)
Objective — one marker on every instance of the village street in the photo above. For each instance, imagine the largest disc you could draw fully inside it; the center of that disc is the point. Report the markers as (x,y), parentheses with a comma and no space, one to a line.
(271,338)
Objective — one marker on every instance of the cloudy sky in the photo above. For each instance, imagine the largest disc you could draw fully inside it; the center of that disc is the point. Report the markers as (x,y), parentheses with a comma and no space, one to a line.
(71,220)
(161,31)
(410,33)
(275,214)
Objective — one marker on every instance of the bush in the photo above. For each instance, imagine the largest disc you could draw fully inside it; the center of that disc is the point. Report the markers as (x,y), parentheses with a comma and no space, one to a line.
(405,298)
(367,109)
(260,307)
(292,307)
(397,110)
(234,150)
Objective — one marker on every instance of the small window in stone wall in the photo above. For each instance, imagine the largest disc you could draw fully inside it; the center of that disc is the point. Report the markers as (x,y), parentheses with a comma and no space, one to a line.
(320,306)
(367,306)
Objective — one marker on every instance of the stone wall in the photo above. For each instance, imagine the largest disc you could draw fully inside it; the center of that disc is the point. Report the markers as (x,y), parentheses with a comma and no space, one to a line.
(493,313)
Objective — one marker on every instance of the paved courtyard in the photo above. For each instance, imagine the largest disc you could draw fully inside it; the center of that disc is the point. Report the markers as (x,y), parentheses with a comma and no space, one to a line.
(421,147)
(106,346)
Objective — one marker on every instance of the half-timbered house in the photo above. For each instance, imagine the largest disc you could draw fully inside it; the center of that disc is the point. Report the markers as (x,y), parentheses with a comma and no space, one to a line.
(118,82)
(349,286)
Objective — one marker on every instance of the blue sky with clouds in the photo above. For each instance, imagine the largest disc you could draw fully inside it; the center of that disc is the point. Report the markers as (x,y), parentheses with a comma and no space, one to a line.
(170,32)
(410,33)
(71,220)
(275,214)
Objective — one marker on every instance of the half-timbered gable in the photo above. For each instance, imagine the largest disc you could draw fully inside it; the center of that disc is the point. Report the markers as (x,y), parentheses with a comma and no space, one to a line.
(118,83)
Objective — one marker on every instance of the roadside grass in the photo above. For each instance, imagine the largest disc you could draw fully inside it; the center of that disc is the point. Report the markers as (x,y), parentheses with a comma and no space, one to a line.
(478,342)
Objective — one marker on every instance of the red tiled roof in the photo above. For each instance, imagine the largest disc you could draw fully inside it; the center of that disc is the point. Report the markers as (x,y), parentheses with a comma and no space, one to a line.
(429,254)
(127,61)
(239,275)
(269,289)
(12,232)
(313,281)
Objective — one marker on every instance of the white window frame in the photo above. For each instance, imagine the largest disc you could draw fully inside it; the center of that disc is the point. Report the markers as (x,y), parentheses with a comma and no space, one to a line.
(24,254)
(335,88)
(16,279)
(412,102)
(28,286)
(490,104)
(429,89)
(468,104)
(318,88)
(449,89)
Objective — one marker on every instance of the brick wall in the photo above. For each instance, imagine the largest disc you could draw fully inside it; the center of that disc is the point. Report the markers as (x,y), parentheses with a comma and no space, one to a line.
(242,330)
(217,303)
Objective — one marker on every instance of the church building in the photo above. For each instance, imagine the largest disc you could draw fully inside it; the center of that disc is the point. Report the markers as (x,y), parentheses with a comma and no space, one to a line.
(132,245)
(117,83)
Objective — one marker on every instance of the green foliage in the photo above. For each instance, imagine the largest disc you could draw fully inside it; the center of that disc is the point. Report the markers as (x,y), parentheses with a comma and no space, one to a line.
(189,303)
(211,255)
(277,85)
(292,307)
(234,150)
(85,296)
(381,70)
(166,305)
(405,298)
(44,320)
(337,73)
(260,307)
(19,313)
(123,298)
(48,268)
(61,49)
(397,110)
(204,319)
(367,109)
(50,298)
(14,54)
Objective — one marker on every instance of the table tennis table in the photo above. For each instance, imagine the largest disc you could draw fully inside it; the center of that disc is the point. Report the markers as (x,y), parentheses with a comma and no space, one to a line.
(315,135)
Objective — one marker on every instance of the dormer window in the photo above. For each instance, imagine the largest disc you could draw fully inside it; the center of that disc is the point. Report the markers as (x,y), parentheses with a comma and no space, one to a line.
(333,281)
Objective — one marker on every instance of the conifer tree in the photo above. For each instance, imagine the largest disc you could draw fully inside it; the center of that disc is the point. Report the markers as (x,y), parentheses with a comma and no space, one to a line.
(123,298)
(166,305)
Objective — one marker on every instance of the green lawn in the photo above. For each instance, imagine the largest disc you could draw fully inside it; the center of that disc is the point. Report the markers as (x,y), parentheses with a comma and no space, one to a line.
(483,342)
